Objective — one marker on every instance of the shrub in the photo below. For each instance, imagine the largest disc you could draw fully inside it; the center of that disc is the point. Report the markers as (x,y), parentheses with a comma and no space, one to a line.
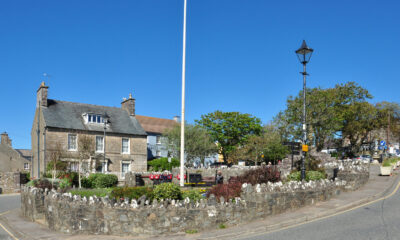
(40,183)
(386,163)
(393,160)
(310,176)
(167,191)
(260,175)
(294,176)
(132,192)
(31,183)
(315,175)
(105,181)
(228,191)
(93,176)
(162,164)
(72,178)
(86,183)
(64,183)
(193,195)
(99,192)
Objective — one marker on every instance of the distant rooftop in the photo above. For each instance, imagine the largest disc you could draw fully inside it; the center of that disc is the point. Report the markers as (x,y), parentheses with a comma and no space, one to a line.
(155,125)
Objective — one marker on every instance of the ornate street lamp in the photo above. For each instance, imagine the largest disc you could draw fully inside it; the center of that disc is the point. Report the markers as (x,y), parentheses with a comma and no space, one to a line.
(304,54)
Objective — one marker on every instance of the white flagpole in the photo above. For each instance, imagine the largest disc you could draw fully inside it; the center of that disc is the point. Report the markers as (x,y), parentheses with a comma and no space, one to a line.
(183,99)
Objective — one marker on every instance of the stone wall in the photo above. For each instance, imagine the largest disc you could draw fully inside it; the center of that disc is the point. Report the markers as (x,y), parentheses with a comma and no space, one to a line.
(9,182)
(73,214)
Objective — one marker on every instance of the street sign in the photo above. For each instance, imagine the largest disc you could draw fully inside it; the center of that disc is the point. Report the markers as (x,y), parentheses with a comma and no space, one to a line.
(382,143)
(305,148)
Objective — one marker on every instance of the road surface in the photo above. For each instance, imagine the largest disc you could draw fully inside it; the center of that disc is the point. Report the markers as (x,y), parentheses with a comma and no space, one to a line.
(8,202)
(377,221)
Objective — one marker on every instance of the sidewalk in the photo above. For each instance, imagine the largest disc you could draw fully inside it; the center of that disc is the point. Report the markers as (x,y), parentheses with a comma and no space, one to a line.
(376,187)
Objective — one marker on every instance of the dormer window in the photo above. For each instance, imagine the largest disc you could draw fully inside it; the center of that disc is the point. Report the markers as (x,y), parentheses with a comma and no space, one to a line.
(94,118)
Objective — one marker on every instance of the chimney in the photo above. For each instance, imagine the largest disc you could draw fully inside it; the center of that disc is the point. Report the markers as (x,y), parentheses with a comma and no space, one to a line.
(5,139)
(129,105)
(176,119)
(41,96)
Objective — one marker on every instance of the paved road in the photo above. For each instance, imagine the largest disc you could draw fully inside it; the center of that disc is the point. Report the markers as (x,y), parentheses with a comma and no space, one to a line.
(380,220)
(8,202)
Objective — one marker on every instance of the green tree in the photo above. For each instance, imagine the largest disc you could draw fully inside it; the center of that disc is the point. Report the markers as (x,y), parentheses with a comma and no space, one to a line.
(389,116)
(326,113)
(198,143)
(360,118)
(230,129)
(265,147)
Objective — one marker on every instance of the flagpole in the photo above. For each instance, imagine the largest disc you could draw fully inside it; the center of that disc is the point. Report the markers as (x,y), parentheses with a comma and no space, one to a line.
(181,182)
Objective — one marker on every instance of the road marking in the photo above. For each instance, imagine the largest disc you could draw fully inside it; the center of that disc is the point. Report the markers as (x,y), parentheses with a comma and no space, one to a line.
(4,212)
(321,218)
(9,233)
(5,229)
(307,221)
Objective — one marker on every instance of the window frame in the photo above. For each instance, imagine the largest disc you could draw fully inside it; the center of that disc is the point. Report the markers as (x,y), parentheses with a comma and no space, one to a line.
(122,146)
(76,142)
(100,151)
(26,164)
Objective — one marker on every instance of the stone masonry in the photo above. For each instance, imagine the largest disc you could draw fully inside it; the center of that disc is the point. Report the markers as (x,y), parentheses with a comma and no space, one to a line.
(73,214)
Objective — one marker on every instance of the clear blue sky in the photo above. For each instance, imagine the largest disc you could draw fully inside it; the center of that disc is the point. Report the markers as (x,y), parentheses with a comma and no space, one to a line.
(240,54)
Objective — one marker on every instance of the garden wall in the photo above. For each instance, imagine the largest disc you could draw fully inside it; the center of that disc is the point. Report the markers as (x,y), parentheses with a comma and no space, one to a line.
(72,214)
(9,182)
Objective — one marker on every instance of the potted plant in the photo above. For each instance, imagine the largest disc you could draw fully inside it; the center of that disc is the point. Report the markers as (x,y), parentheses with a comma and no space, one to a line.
(386,168)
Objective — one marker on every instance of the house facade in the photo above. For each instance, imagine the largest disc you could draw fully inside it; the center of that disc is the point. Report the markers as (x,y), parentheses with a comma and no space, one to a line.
(155,127)
(13,160)
(90,137)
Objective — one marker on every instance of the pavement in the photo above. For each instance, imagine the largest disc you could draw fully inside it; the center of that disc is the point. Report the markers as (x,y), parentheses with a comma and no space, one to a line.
(374,190)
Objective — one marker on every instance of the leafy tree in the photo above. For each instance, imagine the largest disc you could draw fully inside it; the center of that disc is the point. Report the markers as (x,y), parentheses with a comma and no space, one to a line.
(198,143)
(360,119)
(161,164)
(327,110)
(389,116)
(230,129)
(265,147)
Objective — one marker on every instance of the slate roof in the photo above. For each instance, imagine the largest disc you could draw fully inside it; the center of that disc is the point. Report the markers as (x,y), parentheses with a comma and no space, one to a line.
(155,125)
(25,153)
(69,115)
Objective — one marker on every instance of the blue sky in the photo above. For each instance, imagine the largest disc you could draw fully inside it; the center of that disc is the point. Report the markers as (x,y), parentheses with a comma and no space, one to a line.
(240,54)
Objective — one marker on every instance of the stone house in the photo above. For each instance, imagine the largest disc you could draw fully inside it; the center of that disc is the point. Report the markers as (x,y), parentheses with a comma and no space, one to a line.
(13,160)
(154,128)
(113,136)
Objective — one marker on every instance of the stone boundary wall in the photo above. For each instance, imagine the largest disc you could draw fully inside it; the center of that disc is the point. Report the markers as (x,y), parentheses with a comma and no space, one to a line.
(73,214)
(9,182)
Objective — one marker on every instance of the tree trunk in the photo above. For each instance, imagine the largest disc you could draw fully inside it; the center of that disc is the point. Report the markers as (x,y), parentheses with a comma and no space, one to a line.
(79,174)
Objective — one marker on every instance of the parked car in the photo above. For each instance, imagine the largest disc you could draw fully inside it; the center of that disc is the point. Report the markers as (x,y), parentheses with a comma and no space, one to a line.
(357,158)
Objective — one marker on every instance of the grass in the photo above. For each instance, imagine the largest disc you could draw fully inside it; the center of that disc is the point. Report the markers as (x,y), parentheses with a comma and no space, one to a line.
(99,192)
(221,226)
(191,231)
